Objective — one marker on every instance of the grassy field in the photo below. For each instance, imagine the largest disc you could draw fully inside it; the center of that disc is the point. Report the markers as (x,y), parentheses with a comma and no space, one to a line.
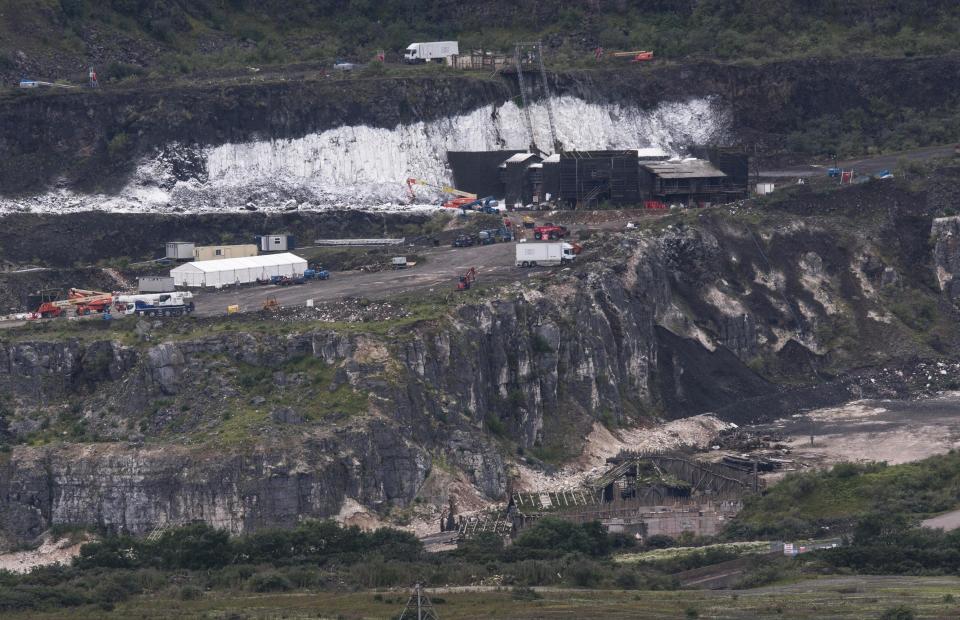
(656,555)
(839,597)
(799,503)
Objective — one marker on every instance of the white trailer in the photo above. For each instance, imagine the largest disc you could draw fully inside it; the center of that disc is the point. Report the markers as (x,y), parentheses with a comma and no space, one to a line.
(544,254)
(276,243)
(180,250)
(433,51)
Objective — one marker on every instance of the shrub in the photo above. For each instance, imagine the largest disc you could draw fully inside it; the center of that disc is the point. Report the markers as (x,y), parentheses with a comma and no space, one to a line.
(524,593)
(72,8)
(551,537)
(270,581)
(900,612)
(118,146)
(197,546)
(660,541)
(484,547)
(585,574)
(541,344)
(494,425)
(626,580)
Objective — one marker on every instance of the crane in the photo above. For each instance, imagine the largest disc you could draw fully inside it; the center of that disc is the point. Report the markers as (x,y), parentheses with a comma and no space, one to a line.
(638,56)
(533,52)
(446,189)
(83,300)
(462,197)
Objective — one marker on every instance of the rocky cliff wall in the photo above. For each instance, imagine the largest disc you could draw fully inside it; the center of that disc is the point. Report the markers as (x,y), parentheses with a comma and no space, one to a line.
(92,141)
(246,424)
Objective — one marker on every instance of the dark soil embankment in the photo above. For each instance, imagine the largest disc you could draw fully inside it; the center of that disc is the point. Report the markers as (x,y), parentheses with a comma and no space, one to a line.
(90,140)
(17,290)
(84,238)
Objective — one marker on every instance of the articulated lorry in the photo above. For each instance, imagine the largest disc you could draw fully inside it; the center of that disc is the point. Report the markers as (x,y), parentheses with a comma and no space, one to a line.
(433,51)
(158,304)
(544,254)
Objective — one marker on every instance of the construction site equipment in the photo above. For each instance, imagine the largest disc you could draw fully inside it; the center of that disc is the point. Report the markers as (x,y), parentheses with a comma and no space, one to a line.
(482,205)
(167,304)
(544,254)
(233,309)
(463,241)
(169,307)
(550,231)
(94,306)
(359,242)
(531,54)
(38,83)
(460,202)
(125,303)
(418,606)
(639,56)
(466,280)
(83,301)
(528,222)
(287,280)
(399,262)
(316,274)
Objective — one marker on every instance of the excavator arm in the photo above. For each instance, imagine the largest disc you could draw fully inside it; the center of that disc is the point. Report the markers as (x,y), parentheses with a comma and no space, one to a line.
(443,188)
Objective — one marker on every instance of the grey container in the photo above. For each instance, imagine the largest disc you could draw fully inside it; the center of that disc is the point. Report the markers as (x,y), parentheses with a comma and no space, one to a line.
(155,284)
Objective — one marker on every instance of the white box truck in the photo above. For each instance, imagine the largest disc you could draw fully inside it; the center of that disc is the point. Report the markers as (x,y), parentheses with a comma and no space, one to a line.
(544,254)
(434,51)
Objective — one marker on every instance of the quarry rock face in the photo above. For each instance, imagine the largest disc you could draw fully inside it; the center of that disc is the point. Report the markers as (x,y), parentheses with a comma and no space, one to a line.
(134,489)
(946,254)
(254,428)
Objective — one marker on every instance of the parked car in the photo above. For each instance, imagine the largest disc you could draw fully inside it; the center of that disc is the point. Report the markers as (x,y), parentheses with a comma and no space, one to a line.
(464,241)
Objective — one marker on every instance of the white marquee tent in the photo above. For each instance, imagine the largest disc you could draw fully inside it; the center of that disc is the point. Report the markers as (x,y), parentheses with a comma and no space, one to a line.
(227,271)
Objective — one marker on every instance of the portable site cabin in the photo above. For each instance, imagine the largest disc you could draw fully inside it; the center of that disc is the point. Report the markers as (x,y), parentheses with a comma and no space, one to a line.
(180,250)
(216,252)
(227,271)
(276,243)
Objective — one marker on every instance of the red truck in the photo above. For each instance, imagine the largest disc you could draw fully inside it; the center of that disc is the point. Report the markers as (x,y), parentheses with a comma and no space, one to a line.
(550,231)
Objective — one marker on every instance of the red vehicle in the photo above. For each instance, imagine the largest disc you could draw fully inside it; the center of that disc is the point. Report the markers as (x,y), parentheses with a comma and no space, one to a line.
(465,281)
(550,231)
(98,306)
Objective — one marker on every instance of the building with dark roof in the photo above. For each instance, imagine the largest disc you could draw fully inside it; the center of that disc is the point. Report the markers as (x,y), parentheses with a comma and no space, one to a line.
(587,179)
(691,182)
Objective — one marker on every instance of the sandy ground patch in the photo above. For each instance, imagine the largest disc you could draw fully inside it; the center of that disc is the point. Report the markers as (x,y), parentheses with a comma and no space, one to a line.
(50,551)
(869,430)
(602,443)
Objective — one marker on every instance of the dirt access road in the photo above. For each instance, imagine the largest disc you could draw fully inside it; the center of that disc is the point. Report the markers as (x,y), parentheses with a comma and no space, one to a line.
(864,165)
(440,270)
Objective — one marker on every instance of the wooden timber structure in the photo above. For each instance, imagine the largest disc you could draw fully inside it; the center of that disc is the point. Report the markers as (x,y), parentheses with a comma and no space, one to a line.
(647,475)
(640,493)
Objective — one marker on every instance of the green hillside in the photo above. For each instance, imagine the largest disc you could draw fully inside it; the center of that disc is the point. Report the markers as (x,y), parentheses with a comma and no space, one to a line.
(59,38)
